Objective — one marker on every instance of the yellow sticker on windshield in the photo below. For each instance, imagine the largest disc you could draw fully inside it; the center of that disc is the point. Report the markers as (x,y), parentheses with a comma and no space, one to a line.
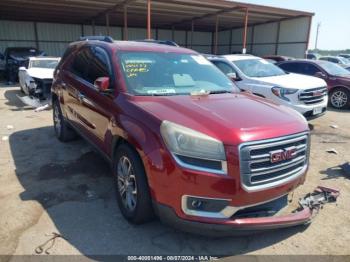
(133,69)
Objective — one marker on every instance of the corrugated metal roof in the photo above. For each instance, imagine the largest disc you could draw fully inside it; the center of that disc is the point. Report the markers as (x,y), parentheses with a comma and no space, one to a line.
(165,13)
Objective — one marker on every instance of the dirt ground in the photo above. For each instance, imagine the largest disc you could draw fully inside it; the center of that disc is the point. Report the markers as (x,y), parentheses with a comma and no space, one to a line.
(47,186)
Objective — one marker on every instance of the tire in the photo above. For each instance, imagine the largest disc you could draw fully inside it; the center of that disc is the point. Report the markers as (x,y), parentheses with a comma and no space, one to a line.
(63,132)
(340,98)
(133,195)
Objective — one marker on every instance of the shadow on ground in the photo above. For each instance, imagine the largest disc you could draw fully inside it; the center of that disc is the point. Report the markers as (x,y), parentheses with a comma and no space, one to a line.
(14,101)
(74,186)
(335,172)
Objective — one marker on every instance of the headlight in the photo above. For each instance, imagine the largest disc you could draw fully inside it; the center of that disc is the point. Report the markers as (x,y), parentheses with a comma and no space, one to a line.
(32,84)
(282,92)
(193,149)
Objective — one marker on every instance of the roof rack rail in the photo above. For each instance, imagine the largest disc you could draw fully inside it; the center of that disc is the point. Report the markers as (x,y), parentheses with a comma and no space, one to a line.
(161,42)
(107,39)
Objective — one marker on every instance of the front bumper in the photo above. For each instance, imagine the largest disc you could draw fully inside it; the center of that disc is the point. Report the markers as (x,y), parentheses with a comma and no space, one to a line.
(308,110)
(231,227)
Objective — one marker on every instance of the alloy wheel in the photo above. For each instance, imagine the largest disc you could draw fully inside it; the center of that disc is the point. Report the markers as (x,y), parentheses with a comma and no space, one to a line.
(339,99)
(127,183)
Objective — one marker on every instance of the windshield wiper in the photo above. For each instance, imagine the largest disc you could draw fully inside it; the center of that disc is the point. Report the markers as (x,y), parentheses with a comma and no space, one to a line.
(220,92)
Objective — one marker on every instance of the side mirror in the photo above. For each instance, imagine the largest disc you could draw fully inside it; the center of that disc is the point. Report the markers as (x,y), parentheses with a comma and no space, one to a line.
(233,76)
(102,84)
(22,68)
(321,75)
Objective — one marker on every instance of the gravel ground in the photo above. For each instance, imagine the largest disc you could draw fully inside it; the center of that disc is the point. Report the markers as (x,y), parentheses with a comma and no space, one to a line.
(47,186)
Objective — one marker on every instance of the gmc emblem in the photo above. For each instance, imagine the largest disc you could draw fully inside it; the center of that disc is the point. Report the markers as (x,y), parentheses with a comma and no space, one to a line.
(283,154)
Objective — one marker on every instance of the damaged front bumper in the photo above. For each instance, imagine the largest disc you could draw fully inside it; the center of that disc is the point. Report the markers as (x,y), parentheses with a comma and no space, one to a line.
(34,102)
(308,208)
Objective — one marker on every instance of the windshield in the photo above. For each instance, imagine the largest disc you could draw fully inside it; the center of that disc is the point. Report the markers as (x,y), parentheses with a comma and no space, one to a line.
(152,73)
(23,52)
(44,63)
(258,68)
(333,69)
(343,60)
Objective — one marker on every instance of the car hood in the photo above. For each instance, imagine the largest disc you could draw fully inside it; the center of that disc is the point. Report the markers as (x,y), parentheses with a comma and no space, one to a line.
(291,80)
(231,118)
(41,73)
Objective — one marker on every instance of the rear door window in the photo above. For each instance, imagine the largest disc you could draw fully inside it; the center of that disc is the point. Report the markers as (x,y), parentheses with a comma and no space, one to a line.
(224,67)
(80,63)
(291,67)
(99,64)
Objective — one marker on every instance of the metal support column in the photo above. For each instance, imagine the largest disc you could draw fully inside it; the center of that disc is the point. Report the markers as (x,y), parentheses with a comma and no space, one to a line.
(149,34)
(245,31)
(125,34)
(216,39)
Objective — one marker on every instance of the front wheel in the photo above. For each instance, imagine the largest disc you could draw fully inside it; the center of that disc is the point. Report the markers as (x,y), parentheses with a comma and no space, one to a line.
(133,196)
(340,98)
(62,130)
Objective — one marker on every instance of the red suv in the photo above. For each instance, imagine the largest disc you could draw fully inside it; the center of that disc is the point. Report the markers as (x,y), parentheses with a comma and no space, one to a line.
(336,77)
(183,143)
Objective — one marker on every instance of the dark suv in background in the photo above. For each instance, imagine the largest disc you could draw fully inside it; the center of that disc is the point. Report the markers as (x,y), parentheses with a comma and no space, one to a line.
(15,57)
(336,77)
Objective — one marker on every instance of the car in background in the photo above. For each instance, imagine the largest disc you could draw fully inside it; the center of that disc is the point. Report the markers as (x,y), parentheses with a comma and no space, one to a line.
(278,58)
(347,56)
(343,62)
(182,141)
(312,56)
(264,79)
(16,57)
(35,80)
(336,77)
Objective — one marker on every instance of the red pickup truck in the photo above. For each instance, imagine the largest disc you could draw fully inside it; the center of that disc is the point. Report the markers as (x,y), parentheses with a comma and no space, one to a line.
(182,141)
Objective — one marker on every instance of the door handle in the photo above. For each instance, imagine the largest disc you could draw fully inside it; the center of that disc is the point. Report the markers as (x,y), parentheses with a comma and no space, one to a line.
(81,97)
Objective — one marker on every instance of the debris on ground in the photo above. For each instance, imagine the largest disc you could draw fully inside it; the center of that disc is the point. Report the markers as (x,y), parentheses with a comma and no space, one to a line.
(42,108)
(346,168)
(41,248)
(9,127)
(334,142)
(334,126)
(5,138)
(332,151)
(317,199)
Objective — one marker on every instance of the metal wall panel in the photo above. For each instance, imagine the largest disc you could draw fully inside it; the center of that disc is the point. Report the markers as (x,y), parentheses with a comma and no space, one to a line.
(58,32)
(266,33)
(5,44)
(199,38)
(293,50)
(294,30)
(13,30)
(224,37)
(115,32)
(237,36)
(223,49)
(53,48)
(165,34)
(180,37)
(261,50)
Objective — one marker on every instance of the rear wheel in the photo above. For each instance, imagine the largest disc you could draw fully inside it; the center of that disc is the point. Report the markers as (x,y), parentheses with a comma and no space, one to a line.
(340,98)
(133,194)
(62,130)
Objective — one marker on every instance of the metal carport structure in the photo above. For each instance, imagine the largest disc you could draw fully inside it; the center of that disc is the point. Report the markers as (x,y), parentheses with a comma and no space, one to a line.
(209,26)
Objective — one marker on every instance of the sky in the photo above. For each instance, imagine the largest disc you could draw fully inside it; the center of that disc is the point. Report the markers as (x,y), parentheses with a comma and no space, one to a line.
(334,17)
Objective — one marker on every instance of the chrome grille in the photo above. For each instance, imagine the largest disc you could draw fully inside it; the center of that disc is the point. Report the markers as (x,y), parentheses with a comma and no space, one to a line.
(313,96)
(259,171)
